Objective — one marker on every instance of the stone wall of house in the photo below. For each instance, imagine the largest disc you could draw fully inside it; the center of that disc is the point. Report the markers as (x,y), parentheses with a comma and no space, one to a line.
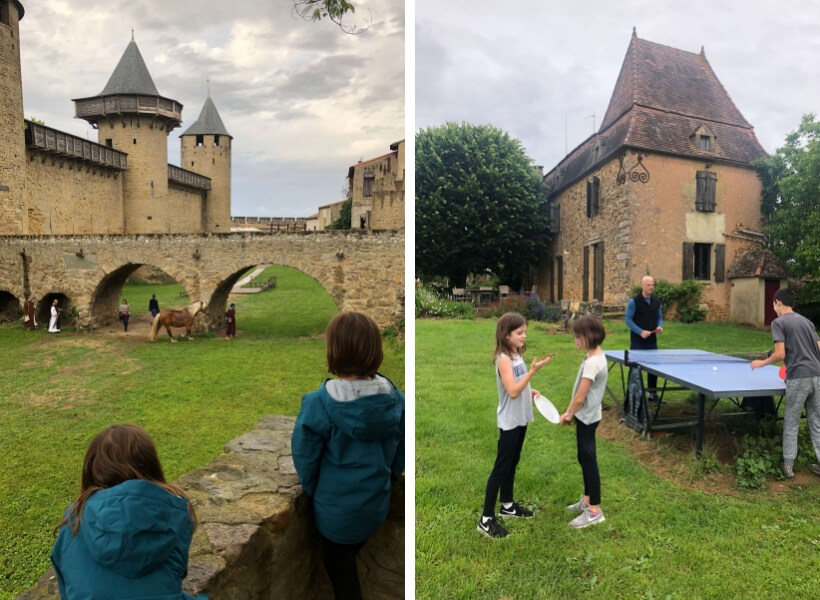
(361,270)
(644,223)
(384,207)
(65,196)
(256,539)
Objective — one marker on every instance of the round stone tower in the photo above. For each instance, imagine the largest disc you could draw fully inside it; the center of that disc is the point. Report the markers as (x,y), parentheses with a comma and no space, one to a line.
(205,147)
(12,134)
(131,116)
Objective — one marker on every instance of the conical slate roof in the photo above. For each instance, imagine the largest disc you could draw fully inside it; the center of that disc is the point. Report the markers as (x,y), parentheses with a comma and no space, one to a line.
(209,122)
(131,76)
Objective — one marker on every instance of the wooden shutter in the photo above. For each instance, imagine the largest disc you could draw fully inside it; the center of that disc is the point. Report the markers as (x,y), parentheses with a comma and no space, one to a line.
(555,218)
(589,199)
(711,185)
(596,196)
(688,260)
(598,282)
(559,267)
(700,198)
(720,260)
(586,275)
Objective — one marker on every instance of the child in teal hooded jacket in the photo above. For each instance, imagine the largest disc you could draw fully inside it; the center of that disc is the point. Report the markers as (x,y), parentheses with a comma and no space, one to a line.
(348,445)
(127,535)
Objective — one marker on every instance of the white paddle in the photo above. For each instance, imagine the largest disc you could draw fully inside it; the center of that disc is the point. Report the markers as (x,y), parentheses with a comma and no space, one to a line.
(547,409)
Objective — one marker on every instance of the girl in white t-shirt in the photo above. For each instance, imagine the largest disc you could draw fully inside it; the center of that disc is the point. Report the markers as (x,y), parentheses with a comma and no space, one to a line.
(514,412)
(585,411)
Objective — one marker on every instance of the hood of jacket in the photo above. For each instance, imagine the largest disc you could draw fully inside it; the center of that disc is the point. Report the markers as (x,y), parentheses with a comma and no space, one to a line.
(368,418)
(132,528)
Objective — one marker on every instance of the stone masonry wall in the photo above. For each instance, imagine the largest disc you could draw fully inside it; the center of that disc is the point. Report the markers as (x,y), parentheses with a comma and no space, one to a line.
(214,162)
(12,140)
(186,211)
(361,270)
(256,539)
(68,196)
(643,225)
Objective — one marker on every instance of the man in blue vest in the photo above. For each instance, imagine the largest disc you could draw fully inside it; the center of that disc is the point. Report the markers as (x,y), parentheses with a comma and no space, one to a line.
(645,321)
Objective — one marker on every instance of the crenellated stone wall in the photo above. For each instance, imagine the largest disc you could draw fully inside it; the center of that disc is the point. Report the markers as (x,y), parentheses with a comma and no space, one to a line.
(256,539)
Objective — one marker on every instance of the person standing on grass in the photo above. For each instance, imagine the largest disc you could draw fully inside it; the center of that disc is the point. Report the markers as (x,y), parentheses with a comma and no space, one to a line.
(514,413)
(29,314)
(585,411)
(128,533)
(348,446)
(230,322)
(796,344)
(153,305)
(644,317)
(125,314)
(55,315)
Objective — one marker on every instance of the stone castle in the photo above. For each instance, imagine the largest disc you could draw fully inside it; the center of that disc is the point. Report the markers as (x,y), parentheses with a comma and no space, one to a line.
(55,183)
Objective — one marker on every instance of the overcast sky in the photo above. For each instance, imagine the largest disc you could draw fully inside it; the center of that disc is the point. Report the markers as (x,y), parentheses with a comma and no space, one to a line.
(302,100)
(537,69)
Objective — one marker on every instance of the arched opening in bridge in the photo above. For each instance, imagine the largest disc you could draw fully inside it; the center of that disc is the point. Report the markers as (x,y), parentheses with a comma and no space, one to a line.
(137,284)
(273,301)
(11,309)
(68,312)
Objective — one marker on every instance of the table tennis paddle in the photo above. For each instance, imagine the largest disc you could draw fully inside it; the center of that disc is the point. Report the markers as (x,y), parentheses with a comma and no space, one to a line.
(782,372)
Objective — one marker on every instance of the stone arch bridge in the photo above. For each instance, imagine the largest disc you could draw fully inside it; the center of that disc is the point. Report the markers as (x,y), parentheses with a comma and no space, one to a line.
(361,270)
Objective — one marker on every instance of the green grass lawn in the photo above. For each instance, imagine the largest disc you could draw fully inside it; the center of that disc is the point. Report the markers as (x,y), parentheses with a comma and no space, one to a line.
(661,539)
(193,396)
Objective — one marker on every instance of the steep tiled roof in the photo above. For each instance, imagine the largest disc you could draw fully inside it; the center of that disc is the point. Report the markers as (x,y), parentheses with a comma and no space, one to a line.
(662,97)
(131,76)
(209,122)
(758,263)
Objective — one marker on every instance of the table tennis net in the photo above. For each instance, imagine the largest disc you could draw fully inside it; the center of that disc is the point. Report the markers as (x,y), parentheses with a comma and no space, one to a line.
(637,356)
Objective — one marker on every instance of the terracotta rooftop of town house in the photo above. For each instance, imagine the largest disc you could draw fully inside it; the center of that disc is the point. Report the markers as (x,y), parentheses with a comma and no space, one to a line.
(758,263)
(130,76)
(662,98)
(209,122)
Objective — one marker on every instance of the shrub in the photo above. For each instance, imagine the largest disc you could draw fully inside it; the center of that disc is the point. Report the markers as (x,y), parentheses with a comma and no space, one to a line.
(687,295)
(531,307)
(758,459)
(429,304)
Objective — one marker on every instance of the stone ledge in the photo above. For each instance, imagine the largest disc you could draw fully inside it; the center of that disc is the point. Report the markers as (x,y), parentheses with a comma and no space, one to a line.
(256,539)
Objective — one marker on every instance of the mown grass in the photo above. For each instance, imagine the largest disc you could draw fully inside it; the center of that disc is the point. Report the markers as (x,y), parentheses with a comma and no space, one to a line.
(58,391)
(661,539)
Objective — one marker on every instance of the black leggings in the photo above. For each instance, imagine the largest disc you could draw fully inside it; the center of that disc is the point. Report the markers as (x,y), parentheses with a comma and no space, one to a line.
(510,443)
(340,564)
(588,459)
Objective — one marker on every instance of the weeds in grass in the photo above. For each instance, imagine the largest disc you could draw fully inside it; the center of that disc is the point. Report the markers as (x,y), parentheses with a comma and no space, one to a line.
(758,459)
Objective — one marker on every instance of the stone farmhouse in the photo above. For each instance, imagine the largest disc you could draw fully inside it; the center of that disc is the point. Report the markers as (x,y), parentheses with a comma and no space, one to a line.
(55,183)
(665,187)
(377,191)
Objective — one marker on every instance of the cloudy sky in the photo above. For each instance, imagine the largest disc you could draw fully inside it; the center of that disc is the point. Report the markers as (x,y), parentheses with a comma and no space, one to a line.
(540,70)
(302,100)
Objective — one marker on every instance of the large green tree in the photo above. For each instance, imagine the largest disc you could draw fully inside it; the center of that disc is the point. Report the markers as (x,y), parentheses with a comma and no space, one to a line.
(791,199)
(480,204)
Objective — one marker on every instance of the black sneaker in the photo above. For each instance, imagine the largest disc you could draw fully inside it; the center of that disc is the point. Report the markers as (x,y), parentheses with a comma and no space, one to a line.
(516,510)
(491,528)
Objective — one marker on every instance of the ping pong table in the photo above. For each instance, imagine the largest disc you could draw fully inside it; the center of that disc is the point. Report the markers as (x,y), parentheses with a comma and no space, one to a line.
(710,375)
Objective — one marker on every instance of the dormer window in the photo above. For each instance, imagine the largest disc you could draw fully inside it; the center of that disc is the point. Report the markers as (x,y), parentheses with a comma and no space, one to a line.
(704,139)
(200,140)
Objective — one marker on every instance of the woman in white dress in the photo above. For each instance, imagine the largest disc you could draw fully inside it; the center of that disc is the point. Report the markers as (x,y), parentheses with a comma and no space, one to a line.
(55,313)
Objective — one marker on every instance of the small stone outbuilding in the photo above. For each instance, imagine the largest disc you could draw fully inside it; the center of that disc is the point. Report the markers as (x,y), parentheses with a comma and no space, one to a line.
(754,278)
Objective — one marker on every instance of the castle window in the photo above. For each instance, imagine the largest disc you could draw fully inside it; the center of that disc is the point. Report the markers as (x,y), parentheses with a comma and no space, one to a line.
(697,261)
(200,140)
(4,13)
(109,142)
(216,140)
(705,196)
(135,140)
(369,176)
(593,197)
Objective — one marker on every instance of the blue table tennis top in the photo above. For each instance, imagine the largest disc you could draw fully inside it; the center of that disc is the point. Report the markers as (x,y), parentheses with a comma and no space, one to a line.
(710,374)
